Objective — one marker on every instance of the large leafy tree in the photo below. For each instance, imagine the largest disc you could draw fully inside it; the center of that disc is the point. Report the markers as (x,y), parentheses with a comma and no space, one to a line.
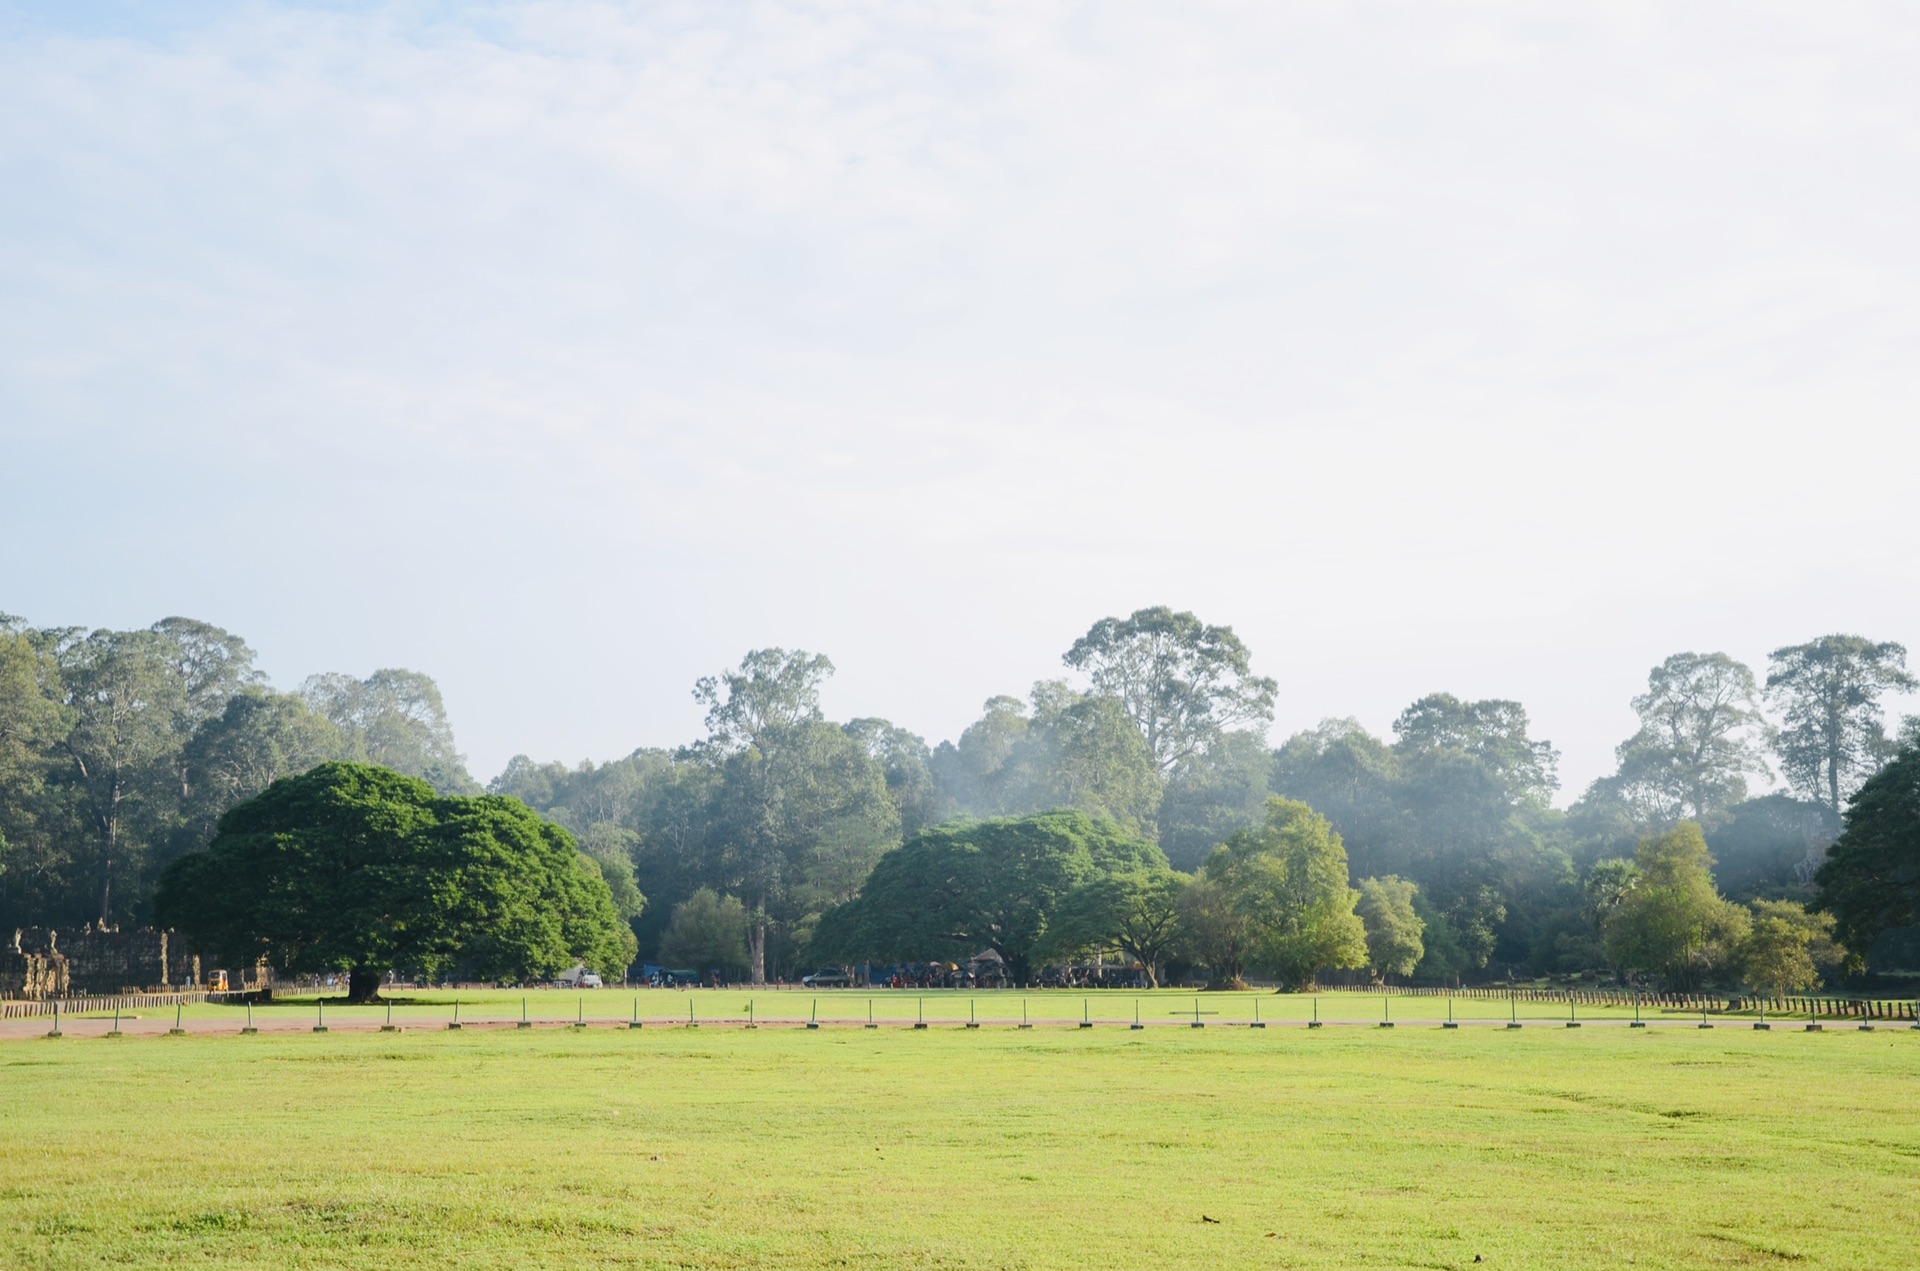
(32,724)
(1870,882)
(256,739)
(1137,912)
(1828,693)
(357,868)
(1393,925)
(1672,921)
(708,932)
(999,884)
(1181,681)
(1701,736)
(1787,947)
(1289,880)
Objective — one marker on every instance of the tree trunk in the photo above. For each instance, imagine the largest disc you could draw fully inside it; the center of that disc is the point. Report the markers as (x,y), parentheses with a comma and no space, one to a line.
(1018,968)
(363,986)
(757,946)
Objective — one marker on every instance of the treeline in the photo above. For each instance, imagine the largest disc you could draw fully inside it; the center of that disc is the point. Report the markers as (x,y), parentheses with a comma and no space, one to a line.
(119,750)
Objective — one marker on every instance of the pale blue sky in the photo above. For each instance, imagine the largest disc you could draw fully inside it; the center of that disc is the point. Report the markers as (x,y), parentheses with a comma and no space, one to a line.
(567,352)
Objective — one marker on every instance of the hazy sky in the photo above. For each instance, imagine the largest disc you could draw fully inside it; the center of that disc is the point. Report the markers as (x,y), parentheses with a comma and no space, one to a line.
(566,352)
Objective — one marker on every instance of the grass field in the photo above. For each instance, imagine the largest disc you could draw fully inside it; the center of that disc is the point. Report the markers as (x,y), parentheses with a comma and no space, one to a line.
(1057,1147)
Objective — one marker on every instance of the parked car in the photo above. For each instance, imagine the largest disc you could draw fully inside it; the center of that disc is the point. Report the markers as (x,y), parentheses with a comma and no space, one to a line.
(828,977)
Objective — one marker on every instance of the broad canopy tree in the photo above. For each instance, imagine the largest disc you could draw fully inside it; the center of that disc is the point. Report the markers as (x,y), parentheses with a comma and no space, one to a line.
(954,889)
(1701,736)
(357,868)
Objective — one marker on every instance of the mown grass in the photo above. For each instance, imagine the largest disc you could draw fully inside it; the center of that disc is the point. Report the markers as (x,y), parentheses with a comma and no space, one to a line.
(1058,1147)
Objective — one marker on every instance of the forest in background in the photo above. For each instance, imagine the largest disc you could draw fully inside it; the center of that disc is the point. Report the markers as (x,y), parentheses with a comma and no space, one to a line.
(120,750)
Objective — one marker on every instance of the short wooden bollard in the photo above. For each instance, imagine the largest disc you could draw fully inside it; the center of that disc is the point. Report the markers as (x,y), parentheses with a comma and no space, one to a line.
(178,1030)
(524,1021)
(1315,1021)
(1136,1025)
(116,1020)
(922,1021)
(1761,1026)
(1197,1021)
(56,1021)
(580,1012)
(1386,1011)
(1571,1021)
(1257,1021)
(320,1025)
(455,1026)
(870,1021)
(1086,1017)
(1024,1022)
(1704,1023)
(248,1031)
(973,1016)
(691,1021)
(635,1021)
(1637,1021)
(1450,1021)
(389,1026)
(814,1020)
(750,1020)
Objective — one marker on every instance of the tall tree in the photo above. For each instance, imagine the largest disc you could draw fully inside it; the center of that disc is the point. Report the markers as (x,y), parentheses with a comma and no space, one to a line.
(1828,693)
(258,738)
(211,664)
(1289,878)
(401,721)
(125,699)
(1870,882)
(801,809)
(1182,682)
(1493,732)
(907,762)
(1701,736)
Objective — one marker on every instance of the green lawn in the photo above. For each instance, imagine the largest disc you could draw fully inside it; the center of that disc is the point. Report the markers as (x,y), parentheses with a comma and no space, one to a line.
(1058,1147)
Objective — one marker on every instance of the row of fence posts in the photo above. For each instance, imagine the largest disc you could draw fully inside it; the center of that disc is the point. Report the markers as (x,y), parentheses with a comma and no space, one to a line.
(1514,1021)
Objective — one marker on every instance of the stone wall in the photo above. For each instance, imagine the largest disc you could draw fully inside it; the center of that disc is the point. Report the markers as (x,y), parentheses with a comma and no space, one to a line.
(40,963)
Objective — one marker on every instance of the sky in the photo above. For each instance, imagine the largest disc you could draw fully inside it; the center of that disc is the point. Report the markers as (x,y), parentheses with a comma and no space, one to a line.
(568,352)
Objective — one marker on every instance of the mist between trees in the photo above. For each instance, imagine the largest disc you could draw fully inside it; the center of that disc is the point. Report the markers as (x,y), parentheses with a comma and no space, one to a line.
(1132,810)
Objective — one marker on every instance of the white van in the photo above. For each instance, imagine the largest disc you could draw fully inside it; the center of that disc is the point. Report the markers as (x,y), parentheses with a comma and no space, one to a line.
(578,978)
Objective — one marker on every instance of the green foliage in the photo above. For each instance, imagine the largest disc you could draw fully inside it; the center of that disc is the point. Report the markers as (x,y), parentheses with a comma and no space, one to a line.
(708,932)
(1182,682)
(1870,882)
(1701,735)
(1672,921)
(400,721)
(1136,912)
(1828,692)
(357,868)
(1393,925)
(951,890)
(1787,947)
(1289,880)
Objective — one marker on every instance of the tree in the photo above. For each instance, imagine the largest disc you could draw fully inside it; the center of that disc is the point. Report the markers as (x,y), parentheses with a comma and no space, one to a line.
(907,762)
(212,666)
(1786,947)
(356,868)
(1214,930)
(1870,882)
(1289,878)
(1494,732)
(1393,927)
(708,932)
(258,738)
(1223,789)
(32,724)
(954,888)
(1137,912)
(1181,681)
(1828,692)
(1701,735)
(401,721)
(1083,752)
(119,757)
(800,808)
(1673,921)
